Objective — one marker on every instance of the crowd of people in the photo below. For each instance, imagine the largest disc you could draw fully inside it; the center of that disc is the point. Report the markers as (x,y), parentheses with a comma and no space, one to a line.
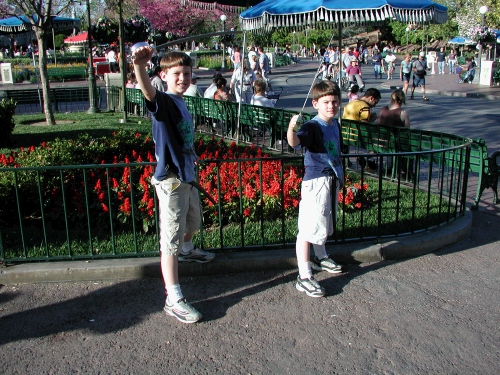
(347,62)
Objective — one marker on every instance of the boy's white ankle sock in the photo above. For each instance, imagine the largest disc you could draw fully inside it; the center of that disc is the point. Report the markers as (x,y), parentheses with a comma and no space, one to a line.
(187,246)
(305,271)
(320,251)
(174,292)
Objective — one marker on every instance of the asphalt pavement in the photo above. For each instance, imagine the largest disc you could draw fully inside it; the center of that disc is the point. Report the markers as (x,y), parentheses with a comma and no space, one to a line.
(423,304)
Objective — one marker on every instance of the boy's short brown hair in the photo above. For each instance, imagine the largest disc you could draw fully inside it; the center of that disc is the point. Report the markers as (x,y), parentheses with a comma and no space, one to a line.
(324,88)
(174,58)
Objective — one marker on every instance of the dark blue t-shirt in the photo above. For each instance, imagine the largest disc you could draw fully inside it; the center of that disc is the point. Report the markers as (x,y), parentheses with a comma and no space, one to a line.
(322,149)
(173,134)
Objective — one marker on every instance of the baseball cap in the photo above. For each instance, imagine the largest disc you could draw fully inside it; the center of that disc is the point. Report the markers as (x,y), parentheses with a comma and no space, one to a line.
(422,53)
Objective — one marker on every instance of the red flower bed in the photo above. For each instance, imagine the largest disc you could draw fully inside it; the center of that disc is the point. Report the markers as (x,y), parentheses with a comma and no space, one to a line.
(248,189)
(249,184)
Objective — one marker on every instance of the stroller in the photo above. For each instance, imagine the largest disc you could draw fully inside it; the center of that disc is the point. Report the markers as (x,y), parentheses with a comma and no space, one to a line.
(274,95)
(466,76)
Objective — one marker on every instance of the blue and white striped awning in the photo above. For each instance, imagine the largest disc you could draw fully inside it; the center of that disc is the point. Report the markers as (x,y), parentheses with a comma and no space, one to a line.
(21,24)
(303,13)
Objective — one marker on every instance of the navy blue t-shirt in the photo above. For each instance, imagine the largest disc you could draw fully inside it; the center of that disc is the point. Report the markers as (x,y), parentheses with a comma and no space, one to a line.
(173,134)
(322,149)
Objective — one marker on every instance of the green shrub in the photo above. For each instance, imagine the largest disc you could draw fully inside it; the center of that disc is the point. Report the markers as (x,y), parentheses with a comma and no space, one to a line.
(211,62)
(7,124)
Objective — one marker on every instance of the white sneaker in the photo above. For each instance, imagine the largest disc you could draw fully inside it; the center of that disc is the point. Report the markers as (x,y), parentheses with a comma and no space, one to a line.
(182,310)
(196,255)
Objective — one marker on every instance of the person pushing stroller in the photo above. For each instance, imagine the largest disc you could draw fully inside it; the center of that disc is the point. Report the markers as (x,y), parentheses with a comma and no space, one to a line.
(468,72)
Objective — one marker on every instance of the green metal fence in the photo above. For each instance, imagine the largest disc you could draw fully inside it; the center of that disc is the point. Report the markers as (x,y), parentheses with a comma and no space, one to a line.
(110,210)
(417,180)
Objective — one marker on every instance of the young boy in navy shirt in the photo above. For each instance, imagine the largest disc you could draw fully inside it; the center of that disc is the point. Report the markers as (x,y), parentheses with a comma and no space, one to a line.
(323,176)
(179,204)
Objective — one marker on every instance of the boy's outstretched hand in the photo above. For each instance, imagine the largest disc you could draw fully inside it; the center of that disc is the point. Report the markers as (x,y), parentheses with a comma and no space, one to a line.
(142,55)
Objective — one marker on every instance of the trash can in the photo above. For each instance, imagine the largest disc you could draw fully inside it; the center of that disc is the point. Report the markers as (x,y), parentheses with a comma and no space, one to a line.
(194,59)
(6,69)
(272,59)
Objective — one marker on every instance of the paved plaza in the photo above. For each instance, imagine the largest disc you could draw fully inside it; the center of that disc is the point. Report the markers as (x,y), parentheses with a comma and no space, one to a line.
(432,314)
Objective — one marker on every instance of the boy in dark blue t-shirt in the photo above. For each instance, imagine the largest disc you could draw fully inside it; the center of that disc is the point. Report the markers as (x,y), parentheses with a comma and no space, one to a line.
(179,205)
(324,175)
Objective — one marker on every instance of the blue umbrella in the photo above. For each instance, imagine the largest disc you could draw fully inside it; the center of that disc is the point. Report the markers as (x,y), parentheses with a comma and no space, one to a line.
(21,24)
(460,40)
(299,13)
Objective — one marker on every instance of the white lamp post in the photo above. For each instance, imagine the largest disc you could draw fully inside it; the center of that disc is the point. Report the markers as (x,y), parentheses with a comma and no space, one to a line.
(307,51)
(407,30)
(482,10)
(223,18)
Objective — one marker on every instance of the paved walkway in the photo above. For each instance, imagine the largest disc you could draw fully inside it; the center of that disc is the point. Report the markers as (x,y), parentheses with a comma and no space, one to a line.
(445,84)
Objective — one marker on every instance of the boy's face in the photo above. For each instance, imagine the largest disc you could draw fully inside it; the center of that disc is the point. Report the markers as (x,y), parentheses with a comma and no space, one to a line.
(327,106)
(178,79)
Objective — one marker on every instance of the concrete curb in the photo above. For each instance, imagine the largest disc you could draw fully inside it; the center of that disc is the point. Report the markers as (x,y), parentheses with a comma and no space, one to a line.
(123,269)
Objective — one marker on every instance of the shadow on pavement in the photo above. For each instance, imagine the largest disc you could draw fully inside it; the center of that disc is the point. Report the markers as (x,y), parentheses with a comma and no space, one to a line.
(104,310)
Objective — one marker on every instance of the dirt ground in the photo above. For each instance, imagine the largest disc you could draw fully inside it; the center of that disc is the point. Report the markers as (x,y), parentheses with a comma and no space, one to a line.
(433,314)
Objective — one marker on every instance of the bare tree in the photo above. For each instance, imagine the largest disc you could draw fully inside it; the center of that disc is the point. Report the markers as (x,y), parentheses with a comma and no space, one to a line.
(40,14)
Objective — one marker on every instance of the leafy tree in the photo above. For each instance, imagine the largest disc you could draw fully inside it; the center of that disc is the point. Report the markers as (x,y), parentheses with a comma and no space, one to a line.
(137,29)
(39,13)
(171,15)
(468,16)
(105,30)
(182,18)
(59,41)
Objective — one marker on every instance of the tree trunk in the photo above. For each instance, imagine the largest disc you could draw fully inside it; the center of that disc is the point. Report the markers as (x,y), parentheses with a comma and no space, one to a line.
(44,76)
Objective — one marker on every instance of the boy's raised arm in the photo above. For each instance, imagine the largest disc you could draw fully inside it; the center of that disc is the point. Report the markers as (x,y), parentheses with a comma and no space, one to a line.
(142,56)
(291,137)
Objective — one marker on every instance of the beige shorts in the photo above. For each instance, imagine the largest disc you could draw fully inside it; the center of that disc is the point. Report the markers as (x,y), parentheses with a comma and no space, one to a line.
(316,213)
(180,212)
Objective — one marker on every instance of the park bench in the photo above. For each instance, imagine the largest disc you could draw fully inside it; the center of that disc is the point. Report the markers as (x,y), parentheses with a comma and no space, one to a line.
(67,72)
(487,168)
(136,103)
(369,138)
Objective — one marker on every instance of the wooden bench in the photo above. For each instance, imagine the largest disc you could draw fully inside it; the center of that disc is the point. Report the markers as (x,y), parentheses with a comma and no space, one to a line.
(369,138)
(487,168)
(136,103)
(73,72)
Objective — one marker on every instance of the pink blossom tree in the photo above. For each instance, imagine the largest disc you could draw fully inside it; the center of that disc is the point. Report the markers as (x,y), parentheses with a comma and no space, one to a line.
(180,18)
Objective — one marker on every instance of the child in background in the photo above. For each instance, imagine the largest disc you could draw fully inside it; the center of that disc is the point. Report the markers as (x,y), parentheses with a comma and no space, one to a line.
(353,94)
(322,71)
(130,81)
